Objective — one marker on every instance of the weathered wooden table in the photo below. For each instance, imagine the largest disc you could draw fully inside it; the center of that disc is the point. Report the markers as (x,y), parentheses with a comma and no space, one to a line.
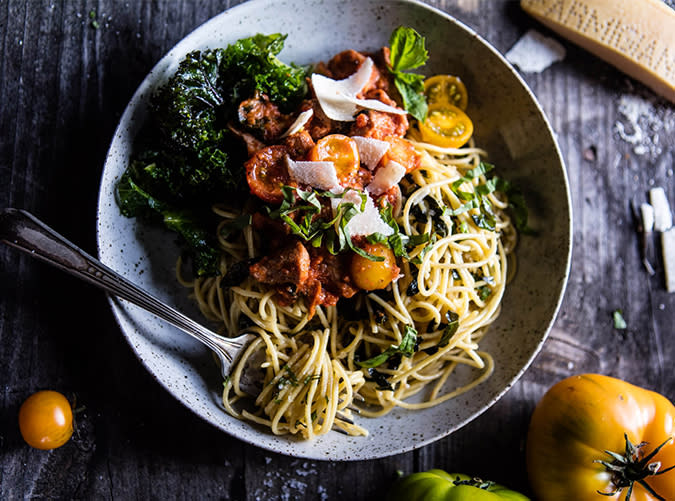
(65,78)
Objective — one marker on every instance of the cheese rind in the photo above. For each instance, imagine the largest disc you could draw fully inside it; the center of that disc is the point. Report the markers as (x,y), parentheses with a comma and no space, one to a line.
(636,36)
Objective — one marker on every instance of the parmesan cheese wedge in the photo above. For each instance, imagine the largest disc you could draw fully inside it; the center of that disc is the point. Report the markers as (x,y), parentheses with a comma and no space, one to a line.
(371,150)
(636,36)
(338,100)
(320,175)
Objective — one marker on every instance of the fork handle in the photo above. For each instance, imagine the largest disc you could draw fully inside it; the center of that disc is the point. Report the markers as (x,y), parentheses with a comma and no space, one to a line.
(24,231)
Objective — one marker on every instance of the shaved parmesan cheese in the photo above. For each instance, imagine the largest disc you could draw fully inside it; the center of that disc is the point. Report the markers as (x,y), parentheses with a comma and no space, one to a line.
(386,177)
(374,104)
(647,213)
(364,223)
(355,82)
(299,123)
(371,150)
(663,218)
(668,249)
(338,100)
(320,175)
(333,103)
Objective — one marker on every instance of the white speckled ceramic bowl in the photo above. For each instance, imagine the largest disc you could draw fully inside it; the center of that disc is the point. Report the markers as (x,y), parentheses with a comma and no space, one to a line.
(509,124)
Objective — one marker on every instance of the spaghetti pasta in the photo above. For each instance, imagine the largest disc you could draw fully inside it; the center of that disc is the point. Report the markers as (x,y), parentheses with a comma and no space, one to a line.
(449,292)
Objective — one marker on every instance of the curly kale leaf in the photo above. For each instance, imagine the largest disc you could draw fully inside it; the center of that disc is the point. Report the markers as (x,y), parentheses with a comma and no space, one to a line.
(186,107)
(251,64)
(134,201)
(186,159)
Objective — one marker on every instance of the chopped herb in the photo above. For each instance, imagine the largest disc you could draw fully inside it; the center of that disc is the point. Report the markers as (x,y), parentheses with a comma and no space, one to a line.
(407,52)
(413,288)
(236,225)
(301,210)
(289,378)
(406,348)
(517,205)
(380,379)
(400,243)
(619,322)
(450,328)
(311,377)
(484,292)
(380,315)
(237,273)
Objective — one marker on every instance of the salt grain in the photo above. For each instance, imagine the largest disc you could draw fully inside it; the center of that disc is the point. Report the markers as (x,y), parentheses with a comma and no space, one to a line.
(641,124)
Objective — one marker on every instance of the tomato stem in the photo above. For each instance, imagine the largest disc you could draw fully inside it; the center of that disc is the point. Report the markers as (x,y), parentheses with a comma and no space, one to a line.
(628,468)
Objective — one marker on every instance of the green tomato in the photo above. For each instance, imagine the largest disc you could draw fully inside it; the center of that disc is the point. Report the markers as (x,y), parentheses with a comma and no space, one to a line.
(438,485)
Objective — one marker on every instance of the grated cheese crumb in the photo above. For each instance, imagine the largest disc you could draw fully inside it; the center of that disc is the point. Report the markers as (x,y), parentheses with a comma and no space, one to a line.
(663,218)
(668,250)
(534,52)
(647,213)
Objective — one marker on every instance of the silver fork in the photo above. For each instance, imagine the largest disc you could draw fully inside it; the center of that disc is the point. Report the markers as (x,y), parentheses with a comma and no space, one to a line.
(22,230)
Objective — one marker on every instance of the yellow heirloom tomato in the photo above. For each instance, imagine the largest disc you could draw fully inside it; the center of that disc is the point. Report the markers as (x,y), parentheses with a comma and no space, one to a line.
(594,437)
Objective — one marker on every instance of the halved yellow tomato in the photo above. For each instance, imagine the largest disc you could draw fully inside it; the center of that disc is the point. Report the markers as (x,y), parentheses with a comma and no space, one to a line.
(446,126)
(402,151)
(446,89)
(342,151)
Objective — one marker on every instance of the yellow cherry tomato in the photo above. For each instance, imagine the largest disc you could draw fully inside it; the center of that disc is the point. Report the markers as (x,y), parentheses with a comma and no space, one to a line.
(46,420)
(446,126)
(371,275)
(446,89)
(342,151)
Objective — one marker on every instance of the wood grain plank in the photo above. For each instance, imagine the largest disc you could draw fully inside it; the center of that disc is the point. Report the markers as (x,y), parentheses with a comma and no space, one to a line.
(63,87)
